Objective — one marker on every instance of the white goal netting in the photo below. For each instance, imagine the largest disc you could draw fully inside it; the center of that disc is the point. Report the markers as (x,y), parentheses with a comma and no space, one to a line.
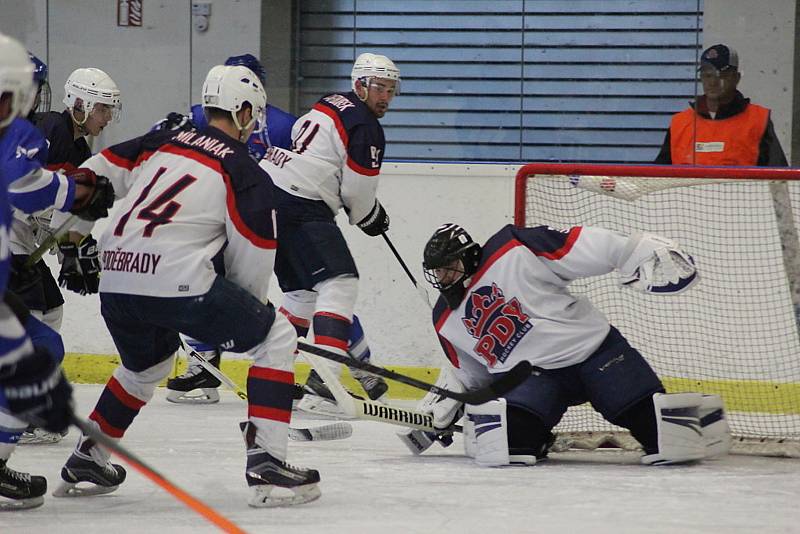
(736,332)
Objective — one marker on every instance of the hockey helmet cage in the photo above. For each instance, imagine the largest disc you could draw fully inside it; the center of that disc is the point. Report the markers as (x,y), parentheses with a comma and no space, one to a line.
(16,77)
(229,87)
(369,65)
(93,86)
(449,243)
(42,103)
(251,62)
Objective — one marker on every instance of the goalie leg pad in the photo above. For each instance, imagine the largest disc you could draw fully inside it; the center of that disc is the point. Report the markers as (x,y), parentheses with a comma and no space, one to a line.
(714,425)
(490,428)
(680,438)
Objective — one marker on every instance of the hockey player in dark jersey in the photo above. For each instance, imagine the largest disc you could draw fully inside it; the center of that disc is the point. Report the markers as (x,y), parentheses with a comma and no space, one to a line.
(334,164)
(190,250)
(32,386)
(197,385)
(508,300)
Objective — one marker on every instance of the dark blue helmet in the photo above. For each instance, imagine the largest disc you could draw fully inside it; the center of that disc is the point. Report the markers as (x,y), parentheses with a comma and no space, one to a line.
(251,62)
(42,102)
(39,69)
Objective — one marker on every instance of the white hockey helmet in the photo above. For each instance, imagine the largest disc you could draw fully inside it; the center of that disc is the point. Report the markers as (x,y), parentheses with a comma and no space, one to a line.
(92,86)
(369,65)
(229,87)
(16,77)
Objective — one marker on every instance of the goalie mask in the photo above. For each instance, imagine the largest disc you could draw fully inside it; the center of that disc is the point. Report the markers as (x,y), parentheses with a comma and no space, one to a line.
(449,259)
(16,78)
(92,87)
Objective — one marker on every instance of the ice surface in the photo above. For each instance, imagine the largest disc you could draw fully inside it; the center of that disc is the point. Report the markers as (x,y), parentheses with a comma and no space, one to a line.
(372,484)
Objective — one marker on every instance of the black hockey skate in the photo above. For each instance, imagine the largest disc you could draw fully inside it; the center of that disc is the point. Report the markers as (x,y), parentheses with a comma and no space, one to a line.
(20,490)
(316,386)
(195,377)
(273,482)
(83,466)
(374,386)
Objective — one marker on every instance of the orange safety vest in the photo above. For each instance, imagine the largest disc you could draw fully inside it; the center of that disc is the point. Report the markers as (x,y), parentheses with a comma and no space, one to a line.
(731,141)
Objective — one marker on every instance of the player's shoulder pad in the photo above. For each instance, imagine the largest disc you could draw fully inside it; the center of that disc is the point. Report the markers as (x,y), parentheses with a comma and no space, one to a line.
(347,108)
(28,140)
(547,241)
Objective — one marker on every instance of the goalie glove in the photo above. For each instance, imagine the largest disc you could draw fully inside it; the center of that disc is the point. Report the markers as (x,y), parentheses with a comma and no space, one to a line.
(655,264)
(446,412)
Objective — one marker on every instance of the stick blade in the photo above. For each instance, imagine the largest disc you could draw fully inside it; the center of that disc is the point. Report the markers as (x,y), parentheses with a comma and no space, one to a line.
(516,376)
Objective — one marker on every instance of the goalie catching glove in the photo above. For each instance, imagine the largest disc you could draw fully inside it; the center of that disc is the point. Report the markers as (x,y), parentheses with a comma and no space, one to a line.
(446,412)
(80,267)
(655,264)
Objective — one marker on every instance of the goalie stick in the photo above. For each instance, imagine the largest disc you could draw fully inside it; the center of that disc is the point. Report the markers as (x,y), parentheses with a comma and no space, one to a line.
(220,521)
(327,432)
(498,388)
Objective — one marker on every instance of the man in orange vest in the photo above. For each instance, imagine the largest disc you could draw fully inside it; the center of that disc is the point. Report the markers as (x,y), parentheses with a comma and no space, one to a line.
(722,127)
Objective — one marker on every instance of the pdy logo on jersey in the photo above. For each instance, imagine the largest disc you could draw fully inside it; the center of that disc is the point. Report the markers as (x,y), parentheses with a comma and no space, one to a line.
(498,324)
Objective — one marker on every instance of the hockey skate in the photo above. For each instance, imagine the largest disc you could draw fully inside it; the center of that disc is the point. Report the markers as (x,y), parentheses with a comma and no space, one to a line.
(317,398)
(274,482)
(374,386)
(40,436)
(88,464)
(19,491)
(182,388)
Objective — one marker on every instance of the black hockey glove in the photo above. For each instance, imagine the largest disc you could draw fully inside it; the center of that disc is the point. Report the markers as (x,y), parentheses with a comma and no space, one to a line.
(376,223)
(37,392)
(175,121)
(25,279)
(95,205)
(80,267)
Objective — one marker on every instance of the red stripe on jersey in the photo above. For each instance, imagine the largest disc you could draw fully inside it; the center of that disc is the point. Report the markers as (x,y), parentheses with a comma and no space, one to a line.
(565,248)
(331,315)
(108,430)
(295,320)
(216,166)
(275,414)
(361,170)
(336,122)
(450,351)
(331,342)
(123,396)
(65,167)
(118,160)
(275,375)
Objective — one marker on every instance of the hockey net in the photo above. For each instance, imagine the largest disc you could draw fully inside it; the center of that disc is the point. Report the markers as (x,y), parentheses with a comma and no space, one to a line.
(737,332)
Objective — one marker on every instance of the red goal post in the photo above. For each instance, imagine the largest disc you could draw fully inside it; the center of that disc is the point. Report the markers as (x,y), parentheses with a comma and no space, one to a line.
(737,332)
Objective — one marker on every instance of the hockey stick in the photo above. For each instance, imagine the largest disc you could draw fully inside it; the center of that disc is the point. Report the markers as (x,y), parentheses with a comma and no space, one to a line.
(51,241)
(498,388)
(421,290)
(192,502)
(327,432)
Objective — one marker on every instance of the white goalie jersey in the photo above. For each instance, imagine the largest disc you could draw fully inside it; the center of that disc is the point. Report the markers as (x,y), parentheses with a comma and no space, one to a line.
(517,305)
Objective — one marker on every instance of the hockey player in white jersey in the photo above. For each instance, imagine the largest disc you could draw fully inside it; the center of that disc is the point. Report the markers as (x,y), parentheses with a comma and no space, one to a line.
(508,300)
(334,164)
(190,250)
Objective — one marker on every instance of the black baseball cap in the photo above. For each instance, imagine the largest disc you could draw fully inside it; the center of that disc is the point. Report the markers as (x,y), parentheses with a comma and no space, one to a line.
(721,57)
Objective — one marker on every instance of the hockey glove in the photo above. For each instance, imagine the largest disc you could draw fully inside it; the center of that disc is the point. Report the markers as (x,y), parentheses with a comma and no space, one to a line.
(100,197)
(176,122)
(37,392)
(80,267)
(25,279)
(376,223)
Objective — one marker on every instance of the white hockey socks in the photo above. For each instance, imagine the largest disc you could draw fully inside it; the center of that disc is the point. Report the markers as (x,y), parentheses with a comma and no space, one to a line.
(487,428)
(714,425)
(680,438)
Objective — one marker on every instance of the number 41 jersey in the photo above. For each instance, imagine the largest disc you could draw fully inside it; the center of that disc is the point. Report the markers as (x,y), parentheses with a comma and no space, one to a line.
(195,204)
